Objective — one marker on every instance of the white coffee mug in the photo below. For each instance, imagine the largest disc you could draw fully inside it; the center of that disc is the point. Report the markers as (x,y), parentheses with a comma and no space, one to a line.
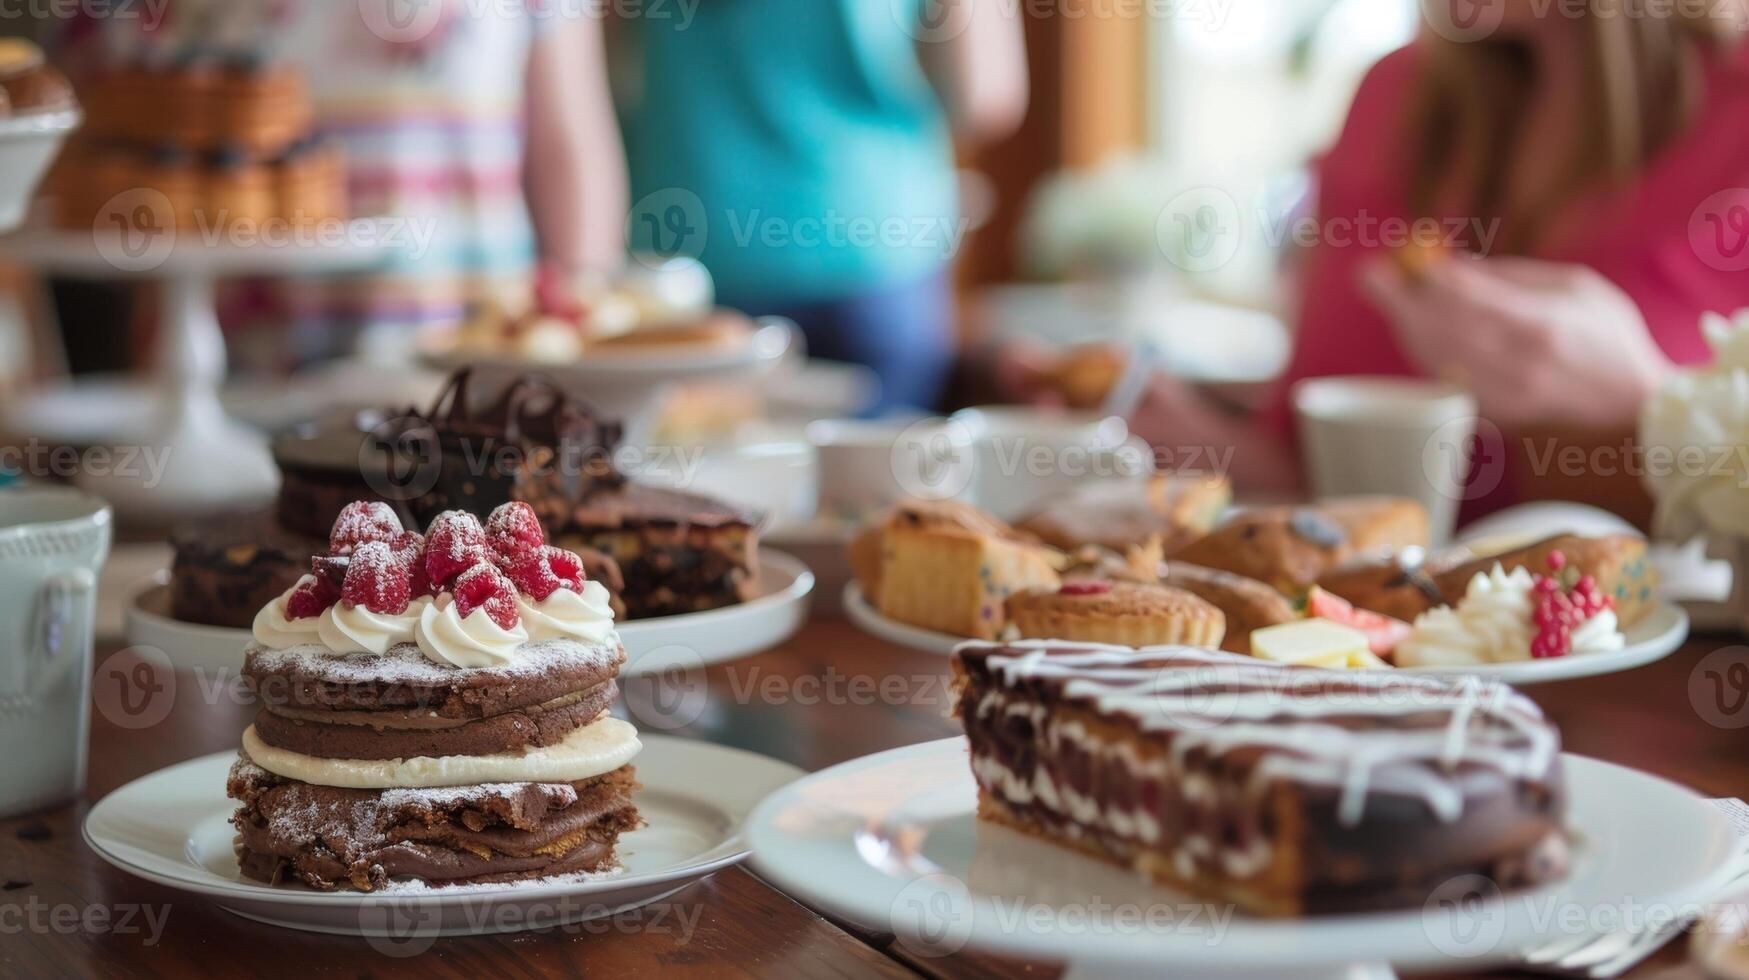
(866,466)
(52,543)
(1398,436)
(1028,455)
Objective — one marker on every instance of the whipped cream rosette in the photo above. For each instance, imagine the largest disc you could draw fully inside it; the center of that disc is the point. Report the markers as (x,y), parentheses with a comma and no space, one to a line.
(436,707)
(1696,436)
(1511,616)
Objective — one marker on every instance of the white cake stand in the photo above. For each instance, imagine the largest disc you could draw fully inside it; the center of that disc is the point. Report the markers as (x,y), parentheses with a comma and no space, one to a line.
(209,461)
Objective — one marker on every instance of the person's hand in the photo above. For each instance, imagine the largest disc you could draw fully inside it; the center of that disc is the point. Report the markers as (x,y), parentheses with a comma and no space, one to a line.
(1536,342)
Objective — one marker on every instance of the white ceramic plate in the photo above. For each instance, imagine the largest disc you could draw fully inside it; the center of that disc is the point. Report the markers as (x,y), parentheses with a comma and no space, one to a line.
(1654,637)
(630,367)
(892,842)
(653,646)
(173,827)
(357,246)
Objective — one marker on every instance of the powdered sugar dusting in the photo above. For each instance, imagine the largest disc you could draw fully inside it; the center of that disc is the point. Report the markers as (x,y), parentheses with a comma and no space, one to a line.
(362,521)
(563,794)
(407,886)
(403,663)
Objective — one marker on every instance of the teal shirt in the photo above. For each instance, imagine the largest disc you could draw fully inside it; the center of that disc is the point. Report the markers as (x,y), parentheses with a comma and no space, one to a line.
(794,146)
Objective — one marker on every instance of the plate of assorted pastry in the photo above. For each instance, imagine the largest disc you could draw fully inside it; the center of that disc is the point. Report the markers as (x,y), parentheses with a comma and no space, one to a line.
(686,574)
(435,751)
(1346,583)
(1120,808)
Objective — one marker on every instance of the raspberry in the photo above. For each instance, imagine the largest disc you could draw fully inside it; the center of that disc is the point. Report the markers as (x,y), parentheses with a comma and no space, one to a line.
(1084,588)
(567,566)
(485,587)
(454,543)
(529,572)
(377,580)
(409,548)
(513,527)
(1558,613)
(310,598)
(538,573)
(361,522)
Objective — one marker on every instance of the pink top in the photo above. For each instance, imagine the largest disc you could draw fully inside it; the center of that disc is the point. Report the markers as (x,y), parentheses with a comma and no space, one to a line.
(1676,241)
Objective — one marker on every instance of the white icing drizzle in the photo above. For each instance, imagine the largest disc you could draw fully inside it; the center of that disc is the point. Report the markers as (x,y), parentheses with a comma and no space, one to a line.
(1215,703)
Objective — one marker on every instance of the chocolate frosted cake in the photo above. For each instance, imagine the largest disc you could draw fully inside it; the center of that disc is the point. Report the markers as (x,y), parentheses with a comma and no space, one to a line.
(1287,791)
(434,708)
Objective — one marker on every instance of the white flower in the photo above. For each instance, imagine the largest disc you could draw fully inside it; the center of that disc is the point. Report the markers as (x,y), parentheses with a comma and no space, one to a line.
(1698,426)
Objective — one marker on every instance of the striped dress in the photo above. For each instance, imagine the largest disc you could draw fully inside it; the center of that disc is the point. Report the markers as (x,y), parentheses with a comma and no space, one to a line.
(432,130)
(433,137)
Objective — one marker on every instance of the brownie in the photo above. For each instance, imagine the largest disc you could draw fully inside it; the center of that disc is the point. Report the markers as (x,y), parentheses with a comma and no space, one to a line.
(677,552)
(225,569)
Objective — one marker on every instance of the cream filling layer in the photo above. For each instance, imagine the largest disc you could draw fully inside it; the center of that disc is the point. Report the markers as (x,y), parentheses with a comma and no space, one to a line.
(596,748)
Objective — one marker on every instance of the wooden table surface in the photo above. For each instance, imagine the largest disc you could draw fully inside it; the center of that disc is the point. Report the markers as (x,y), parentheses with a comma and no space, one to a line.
(814,701)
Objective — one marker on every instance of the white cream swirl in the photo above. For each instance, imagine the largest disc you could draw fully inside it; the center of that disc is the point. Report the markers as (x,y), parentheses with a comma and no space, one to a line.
(1491,624)
(586,615)
(445,637)
(357,629)
(272,629)
(1599,634)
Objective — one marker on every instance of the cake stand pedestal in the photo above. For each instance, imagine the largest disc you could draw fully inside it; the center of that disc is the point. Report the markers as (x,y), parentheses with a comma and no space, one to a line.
(185,455)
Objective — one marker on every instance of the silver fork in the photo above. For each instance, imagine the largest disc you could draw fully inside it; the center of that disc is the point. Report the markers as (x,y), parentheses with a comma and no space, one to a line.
(1611,954)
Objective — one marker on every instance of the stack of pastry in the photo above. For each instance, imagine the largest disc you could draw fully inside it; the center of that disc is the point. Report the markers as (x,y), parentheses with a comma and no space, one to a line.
(224,140)
(434,708)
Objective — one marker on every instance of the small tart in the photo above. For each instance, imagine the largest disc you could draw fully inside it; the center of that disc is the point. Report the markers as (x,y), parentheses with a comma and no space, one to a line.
(1122,613)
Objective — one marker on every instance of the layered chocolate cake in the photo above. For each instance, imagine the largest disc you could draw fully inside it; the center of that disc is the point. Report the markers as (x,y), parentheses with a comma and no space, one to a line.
(434,708)
(1286,791)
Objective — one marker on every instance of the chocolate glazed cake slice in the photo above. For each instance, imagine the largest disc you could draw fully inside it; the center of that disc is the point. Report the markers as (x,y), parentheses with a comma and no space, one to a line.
(1286,791)
(440,714)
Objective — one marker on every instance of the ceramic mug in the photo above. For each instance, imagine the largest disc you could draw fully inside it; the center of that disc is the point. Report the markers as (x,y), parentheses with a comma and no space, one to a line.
(867,466)
(52,543)
(1399,436)
(1025,456)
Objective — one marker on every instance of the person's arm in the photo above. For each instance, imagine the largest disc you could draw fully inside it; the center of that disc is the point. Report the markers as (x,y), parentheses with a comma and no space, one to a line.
(575,170)
(974,52)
